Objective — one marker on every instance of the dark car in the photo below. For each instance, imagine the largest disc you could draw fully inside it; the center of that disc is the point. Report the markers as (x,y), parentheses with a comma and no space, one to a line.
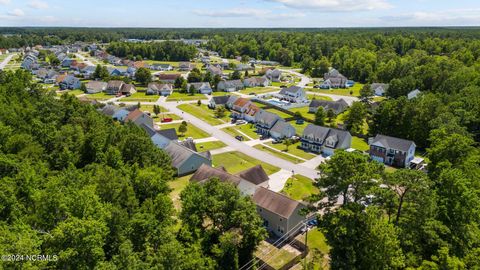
(283,86)
(240,138)
(277,141)
(252,94)
(300,122)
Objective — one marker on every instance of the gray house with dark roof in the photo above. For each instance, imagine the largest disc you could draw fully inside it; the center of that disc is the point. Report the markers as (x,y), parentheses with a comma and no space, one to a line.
(264,122)
(185,160)
(218,101)
(281,215)
(230,86)
(338,106)
(392,151)
(325,140)
(293,94)
(282,130)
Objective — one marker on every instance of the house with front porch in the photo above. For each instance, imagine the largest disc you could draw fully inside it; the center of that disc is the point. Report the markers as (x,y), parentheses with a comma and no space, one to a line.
(201,87)
(293,94)
(240,107)
(264,122)
(282,130)
(230,85)
(325,140)
(392,151)
(157,88)
(256,82)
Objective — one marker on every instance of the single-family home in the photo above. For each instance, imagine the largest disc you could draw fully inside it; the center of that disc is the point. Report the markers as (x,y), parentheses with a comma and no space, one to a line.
(293,94)
(128,89)
(244,67)
(139,118)
(185,160)
(249,115)
(162,67)
(168,78)
(274,75)
(379,88)
(256,82)
(67,62)
(325,140)
(337,107)
(218,101)
(392,151)
(109,110)
(334,79)
(70,82)
(161,138)
(282,130)
(186,66)
(201,87)
(214,70)
(114,87)
(157,88)
(88,71)
(280,214)
(230,86)
(96,87)
(120,114)
(414,94)
(264,122)
(240,107)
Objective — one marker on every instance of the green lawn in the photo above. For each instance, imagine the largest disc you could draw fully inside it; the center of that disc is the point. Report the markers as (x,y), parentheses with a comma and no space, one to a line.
(236,162)
(204,113)
(319,96)
(248,129)
(73,92)
(293,149)
(258,90)
(304,112)
(207,146)
(273,256)
(318,248)
(359,144)
(299,187)
(341,92)
(260,105)
(140,96)
(299,128)
(232,131)
(177,96)
(177,186)
(281,155)
(219,94)
(192,131)
(279,113)
(99,96)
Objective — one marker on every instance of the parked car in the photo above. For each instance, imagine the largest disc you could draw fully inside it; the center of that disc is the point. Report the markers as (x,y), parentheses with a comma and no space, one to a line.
(277,141)
(233,121)
(316,86)
(167,120)
(263,137)
(283,86)
(240,138)
(241,122)
(252,94)
(300,122)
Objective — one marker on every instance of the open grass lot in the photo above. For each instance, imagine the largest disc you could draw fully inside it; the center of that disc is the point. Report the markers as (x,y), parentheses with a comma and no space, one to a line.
(281,155)
(204,113)
(299,187)
(279,113)
(318,96)
(220,93)
(304,112)
(99,96)
(164,113)
(248,129)
(192,131)
(140,96)
(341,92)
(299,128)
(359,144)
(177,96)
(177,186)
(151,62)
(236,162)
(233,131)
(72,92)
(318,248)
(259,90)
(273,256)
(293,149)
(206,146)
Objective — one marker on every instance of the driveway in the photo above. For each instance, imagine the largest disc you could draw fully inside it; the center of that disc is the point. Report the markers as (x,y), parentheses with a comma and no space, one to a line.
(6,61)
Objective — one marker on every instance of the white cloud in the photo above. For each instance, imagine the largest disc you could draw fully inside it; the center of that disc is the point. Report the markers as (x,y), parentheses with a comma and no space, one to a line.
(4,2)
(246,12)
(454,17)
(335,5)
(38,4)
(16,13)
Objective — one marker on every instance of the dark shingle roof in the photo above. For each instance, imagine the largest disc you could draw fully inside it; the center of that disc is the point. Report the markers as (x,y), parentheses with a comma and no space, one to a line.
(169,133)
(221,100)
(337,106)
(265,117)
(280,126)
(206,172)
(275,202)
(393,142)
(255,175)
(291,89)
(178,153)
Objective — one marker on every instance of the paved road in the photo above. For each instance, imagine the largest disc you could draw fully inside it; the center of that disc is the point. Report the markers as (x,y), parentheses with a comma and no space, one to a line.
(304,79)
(85,60)
(6,61)
(239,146)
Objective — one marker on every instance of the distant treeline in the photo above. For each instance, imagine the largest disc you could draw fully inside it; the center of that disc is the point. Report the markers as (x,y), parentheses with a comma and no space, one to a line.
(162,51)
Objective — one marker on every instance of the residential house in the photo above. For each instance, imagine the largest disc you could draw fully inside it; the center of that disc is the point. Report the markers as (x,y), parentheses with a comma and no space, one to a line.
(162,67)
(120,114)
(274,75)
(157,88)
(214,70)
(30,62)
(128,89)
(280,214)
(293,94)
(201,87)
(70,82)
(161,138)
(114,87)
(96,87)
(379,88)
(109,110)
(167,78)
(116,71)
(240,107)
(264,122)
(218,101)
(244,67)
(325,140)
(282,130)
(256,82)
(67,62)
(334,79)
(88,71)
(139,118)
(186,66)
(230,86)
(185,160)
(392,151)
(414,94)
(337,107)
(251,112)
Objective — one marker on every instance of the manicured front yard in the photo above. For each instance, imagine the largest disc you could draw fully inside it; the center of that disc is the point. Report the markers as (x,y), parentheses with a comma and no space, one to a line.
(140,96)
(293,149)
(359,144)
(207,146)
(340,91)
(236,162)
(299,128)
(304,112)
(259,90)
(281,155)
(192,131)
(299,187)
(204,113)
(232,131)
(318,96)
(177,96)
(99,96)
(248,129)
(279,113)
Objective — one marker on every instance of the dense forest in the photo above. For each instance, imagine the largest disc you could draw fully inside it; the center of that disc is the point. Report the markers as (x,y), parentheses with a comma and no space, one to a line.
(94,193)
(161,51)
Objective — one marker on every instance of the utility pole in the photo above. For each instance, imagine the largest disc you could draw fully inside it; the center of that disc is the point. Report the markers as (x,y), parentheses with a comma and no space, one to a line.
(306,247)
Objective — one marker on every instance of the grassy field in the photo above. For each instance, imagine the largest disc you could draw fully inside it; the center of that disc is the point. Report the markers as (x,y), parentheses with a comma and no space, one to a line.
(318,96)
(248,129)
(140,96)
(236,162)
(294,150)
(258,90)
(73,92)
(206,146)
(260,105)
(304,112)
(177,186)
(281,155)
(341,92)
(232,131)
(99,96)
(279,113)
(273,256)
(177,96)
(192,131)
(318,248)
(204,113)
(359,144)
(299,188)
(299,128)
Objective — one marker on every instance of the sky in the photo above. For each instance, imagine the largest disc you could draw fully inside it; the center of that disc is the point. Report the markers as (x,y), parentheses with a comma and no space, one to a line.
(239,13)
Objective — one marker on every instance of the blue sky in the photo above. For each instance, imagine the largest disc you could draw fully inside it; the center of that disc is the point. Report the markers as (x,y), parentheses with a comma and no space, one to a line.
(239,13)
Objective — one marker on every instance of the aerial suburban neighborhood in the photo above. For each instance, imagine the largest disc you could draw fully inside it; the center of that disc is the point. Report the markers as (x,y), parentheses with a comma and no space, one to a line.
(239,148)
